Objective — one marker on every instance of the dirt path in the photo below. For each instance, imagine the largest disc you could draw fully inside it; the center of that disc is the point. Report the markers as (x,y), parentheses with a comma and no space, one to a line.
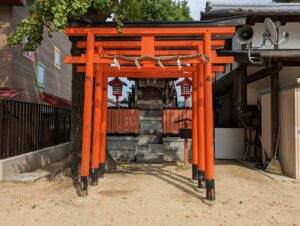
(154,195)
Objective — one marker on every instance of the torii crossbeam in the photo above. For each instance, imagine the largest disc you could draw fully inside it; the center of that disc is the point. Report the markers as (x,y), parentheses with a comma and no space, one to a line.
(150,50)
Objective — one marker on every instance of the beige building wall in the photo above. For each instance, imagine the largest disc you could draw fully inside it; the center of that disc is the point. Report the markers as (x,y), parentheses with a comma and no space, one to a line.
(288,75)
(5,52)
(289,121)
(20,72)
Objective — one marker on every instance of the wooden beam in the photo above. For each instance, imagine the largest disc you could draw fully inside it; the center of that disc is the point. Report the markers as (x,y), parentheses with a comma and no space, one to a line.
(243,88)
(98,60)
(151,75)
(134,52)
(195,152)
(208,122)
(218,68)
(291,63)
(157,52)
(159,31)
(133,69)
(111,44)
(274,109)
(132,44)
(185,43)
(152,70)
(87,111)
(265,72)
(222,60)
(239,94)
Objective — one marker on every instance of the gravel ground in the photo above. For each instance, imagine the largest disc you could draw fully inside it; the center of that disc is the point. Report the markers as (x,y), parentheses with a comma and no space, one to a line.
(154,195)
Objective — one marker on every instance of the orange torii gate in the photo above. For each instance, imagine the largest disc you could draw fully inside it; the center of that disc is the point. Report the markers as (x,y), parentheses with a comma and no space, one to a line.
(146,50)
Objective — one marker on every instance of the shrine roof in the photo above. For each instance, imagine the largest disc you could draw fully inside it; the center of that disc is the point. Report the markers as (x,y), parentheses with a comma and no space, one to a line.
(228,21)
(220,22)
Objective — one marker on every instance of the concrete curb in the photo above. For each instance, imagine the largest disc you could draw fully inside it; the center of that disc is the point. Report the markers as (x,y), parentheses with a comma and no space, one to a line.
(33,160)
(270,175)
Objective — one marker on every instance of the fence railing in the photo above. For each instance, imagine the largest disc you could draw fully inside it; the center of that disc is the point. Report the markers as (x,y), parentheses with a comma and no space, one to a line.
(123,121)
(170,116)
(26,127)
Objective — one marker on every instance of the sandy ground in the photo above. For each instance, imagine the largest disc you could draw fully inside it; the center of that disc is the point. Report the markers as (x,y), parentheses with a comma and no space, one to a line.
(154,195)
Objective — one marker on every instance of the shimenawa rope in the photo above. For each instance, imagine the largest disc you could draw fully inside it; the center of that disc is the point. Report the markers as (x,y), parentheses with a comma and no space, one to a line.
(158,59)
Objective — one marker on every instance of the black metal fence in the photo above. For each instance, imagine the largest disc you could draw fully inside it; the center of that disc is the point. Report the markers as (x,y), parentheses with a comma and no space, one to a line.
(25,127)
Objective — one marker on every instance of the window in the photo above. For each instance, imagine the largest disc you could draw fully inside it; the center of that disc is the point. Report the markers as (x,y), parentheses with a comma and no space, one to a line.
(116,89)
(40,75)
(151,82)
(29,55)
(57,54)
(186,89)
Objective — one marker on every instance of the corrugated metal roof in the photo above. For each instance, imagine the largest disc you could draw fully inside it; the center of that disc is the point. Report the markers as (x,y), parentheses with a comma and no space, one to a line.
(230,9)
(8,93)
(55,100)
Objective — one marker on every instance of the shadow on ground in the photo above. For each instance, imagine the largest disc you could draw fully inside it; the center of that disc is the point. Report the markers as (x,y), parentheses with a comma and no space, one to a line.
(161,172)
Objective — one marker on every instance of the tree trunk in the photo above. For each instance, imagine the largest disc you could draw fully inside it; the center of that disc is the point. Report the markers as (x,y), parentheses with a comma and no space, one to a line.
(76,115)
(74,155)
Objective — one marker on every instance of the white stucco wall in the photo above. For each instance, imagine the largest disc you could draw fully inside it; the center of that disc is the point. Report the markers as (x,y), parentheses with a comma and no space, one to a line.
(292,28)
(287,74)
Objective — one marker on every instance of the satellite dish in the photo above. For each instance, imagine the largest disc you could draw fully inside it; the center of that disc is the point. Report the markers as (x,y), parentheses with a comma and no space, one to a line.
(271,30)
(244,36)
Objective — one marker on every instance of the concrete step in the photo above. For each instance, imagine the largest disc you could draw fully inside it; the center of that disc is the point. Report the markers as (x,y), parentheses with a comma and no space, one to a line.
(150,158)
(150,107)
(150,124)
(151,113)
(142,118)
(150,148)
(150,101)
(28,177)
(151,132)
(149,139)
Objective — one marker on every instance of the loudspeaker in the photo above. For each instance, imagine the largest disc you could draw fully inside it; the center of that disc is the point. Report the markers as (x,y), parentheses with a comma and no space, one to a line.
(244,34)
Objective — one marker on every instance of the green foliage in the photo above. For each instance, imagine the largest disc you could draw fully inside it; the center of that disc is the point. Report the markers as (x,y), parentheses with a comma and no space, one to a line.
(155,10)
(54,15)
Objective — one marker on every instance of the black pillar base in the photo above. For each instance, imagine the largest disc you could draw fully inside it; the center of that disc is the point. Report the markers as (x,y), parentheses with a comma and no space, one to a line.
(201,179)
(94,177)
(84,186)
(210,190)
(194,172)
(101,170)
